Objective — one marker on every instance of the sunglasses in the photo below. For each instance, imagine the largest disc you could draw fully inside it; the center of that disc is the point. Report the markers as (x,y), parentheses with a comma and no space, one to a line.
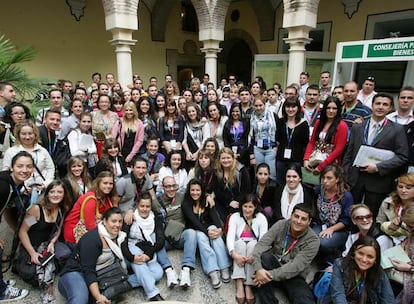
(363,217)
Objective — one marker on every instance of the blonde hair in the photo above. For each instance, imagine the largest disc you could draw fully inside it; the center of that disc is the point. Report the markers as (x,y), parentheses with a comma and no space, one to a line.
(26,123)
(233,169)
(131,124)
(355,207)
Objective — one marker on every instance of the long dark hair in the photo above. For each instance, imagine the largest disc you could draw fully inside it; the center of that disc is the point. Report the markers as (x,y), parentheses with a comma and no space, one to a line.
(291,102)
(64,205)
(330,134)
(196,181)
(373,274)
(248,198)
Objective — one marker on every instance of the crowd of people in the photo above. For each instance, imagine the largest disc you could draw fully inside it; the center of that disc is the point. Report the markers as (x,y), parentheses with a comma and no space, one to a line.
(261,182)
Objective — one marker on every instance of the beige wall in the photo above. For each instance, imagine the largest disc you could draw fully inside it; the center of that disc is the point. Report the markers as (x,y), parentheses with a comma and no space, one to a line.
(73,50)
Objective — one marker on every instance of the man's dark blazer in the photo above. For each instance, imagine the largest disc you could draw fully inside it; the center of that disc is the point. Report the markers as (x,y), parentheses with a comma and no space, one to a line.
(392,138)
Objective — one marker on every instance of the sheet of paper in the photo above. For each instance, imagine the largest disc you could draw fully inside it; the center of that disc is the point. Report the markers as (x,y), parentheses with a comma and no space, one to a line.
(86,140)
(370,155)
(397,253)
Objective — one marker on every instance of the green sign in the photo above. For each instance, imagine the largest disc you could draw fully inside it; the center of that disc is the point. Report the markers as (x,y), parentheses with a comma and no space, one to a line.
(391,49)
(352,51)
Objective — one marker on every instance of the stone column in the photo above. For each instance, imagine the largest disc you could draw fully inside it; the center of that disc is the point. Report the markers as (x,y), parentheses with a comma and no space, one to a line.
(121,18)
(299,18)
(211,49)
(297,40)
(123,42)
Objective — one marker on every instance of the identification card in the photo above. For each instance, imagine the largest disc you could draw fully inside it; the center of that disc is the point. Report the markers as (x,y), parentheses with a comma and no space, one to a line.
(234,149)
(173,144)
(260,143)
(324,227)
(287,154)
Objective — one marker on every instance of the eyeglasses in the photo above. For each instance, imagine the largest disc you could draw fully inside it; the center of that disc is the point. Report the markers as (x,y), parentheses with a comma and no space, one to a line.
(363,217)
(232,78)
(170,186)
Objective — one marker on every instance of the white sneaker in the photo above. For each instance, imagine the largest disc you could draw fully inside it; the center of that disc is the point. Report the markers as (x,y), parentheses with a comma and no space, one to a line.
(225,275)
(215,279)
(10,282)
(172,279)
(185,280)
(12,294)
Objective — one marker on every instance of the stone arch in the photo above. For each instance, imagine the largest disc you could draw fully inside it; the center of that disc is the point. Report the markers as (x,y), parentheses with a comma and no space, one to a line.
(233,35)
(265,15)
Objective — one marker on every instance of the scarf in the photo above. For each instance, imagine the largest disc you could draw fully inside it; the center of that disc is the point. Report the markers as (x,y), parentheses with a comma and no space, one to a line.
(286,207)
(115,247)
(142,228)
(7,142)
(269,122)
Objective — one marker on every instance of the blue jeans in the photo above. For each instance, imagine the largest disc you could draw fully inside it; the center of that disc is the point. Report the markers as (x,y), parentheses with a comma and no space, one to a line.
(213,253)
(145,274)
(332,247)
(73,288)
(266,156)
(163,259)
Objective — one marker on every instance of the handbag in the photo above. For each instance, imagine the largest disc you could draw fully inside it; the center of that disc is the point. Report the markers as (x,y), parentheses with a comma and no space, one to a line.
(62,153)
(24,267)
(80,228)
(320,153)
(113,280)
(62,251)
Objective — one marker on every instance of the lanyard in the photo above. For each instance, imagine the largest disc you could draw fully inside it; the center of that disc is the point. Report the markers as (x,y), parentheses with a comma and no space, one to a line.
(17,190)
(289,249)
(205,179)
(360,284)
(347,111)
(406,121)
(366,130)
(214,128)
(51,146)
(289,136)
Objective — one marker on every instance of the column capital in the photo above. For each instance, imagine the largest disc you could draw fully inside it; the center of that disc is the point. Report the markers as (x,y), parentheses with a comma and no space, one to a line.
(297,43)
(211,48)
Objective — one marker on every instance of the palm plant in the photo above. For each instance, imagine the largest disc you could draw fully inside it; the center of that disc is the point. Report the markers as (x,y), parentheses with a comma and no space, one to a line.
(11,71)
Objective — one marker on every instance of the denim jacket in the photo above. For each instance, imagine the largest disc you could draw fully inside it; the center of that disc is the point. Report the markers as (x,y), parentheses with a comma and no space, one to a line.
(382,294)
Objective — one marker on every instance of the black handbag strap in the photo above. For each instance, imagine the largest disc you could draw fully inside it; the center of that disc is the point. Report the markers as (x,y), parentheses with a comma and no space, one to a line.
(250,227)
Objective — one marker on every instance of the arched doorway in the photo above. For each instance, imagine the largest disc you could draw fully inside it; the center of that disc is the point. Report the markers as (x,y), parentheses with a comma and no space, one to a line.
(236,57)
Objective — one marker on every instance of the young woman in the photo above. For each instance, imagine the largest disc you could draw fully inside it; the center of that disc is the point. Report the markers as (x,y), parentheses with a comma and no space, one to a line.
(155,160)
(263,137)
(204,224)
(246,228)
(27,135)
(147,116)
(160,107)
(174,167)
(81,142)
(126,95)
(93,101)
(292,133)
(264,190)
(333,208)
(111,160)
(95,202)
(195,133)
(216,123)
(211,145)
(118,105)
(171,129)
(77,180)
(97,249)
(103,119)
(135,96)
(204,171)
(392,207)
(39,232)
(329,136)
(358,277)
(171,91)
(293,192)
(145,240)
(16,112)
(235,134)
(362,219)
(129,131)
(232,181)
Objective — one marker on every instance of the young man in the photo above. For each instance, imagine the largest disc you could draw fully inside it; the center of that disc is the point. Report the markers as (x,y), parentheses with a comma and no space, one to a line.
(325,88)
(283,256)
(304,84)
(48,132)
(311,107)
(56,102)
(404,113)
(374,181)
(338,92)
(274,104)
(7,95)
(246,102)
(367,92)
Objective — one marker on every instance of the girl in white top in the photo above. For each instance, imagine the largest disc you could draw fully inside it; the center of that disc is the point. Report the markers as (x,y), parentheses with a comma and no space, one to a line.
(173,167)
(81,142)
(246,227)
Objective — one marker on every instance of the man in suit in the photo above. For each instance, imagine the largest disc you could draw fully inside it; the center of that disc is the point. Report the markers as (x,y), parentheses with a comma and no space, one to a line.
(373,182)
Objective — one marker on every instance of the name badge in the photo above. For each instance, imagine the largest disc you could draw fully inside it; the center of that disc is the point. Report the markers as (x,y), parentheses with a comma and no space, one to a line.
(173,144)
(260,143)
(234,149)
(324,227)
(287,154)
